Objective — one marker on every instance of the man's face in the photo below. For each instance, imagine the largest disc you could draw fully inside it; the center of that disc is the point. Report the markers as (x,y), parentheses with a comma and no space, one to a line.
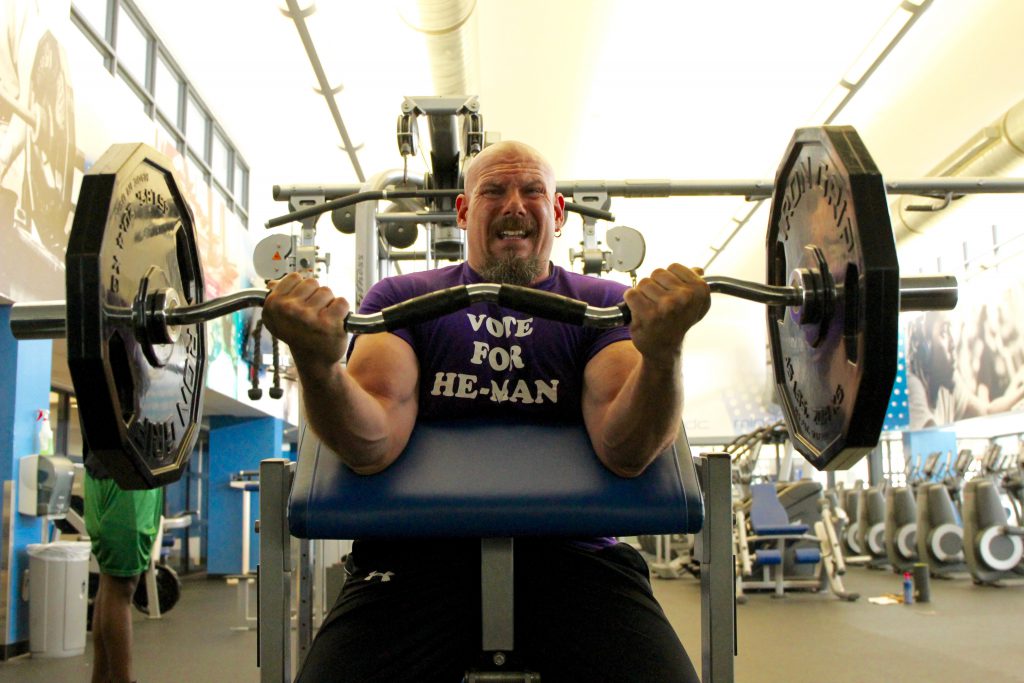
(941,360)
(510,211)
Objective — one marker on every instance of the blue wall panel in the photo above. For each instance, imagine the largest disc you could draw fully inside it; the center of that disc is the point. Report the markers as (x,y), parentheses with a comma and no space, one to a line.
(25,376)
(919,445)
(236,444)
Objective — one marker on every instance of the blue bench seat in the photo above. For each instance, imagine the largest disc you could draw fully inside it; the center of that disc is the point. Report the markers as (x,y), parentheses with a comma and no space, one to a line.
(486,478)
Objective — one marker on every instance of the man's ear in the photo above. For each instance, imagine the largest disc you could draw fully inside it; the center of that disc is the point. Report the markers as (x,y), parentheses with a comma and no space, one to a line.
(461,209)
(559,210)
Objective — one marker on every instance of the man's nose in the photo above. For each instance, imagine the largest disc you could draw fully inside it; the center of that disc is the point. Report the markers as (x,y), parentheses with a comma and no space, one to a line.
(514,205)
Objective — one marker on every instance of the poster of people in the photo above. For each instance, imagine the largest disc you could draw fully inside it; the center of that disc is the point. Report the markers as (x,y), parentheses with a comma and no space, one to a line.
(39,155)
(60,110)
(969,362)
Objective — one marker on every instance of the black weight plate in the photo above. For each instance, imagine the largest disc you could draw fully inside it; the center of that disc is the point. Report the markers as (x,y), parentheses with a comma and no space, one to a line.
(140,418)
(834,379)
(168,590)
(400,235)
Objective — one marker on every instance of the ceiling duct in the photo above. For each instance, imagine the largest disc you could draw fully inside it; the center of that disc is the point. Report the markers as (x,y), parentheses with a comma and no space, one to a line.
(991,152)
(449,29)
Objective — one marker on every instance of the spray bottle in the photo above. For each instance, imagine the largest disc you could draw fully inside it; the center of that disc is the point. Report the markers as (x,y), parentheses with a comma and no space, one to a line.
(908,589)
(44,435)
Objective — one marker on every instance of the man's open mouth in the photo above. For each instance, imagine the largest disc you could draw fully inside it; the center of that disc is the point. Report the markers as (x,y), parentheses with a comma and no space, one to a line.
(512,234)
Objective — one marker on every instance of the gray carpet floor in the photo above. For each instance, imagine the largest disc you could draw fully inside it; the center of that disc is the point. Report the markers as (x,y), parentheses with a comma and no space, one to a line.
(967,633)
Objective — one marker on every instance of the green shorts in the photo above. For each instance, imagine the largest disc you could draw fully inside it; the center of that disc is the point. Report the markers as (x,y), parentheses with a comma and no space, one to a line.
(122,525)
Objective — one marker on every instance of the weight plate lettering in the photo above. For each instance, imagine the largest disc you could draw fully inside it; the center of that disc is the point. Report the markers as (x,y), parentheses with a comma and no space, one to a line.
(834,370)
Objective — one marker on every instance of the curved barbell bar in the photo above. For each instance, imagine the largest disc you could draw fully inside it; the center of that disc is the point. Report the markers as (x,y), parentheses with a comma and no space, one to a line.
(47,319)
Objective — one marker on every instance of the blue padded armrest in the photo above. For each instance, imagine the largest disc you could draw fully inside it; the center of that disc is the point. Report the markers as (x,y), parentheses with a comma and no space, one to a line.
(478,479)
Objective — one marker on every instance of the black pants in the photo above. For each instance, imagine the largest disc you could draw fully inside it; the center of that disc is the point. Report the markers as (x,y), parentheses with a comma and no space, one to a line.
(410,611)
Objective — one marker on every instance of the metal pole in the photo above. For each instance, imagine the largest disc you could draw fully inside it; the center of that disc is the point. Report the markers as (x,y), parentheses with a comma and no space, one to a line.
(274,574)
(937,186)
(717,571)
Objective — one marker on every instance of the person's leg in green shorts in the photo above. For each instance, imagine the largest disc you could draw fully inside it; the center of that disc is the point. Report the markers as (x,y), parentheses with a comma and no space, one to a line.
(121,526)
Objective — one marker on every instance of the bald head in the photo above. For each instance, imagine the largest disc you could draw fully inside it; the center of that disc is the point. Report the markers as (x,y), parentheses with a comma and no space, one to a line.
(508,152)
(510,211)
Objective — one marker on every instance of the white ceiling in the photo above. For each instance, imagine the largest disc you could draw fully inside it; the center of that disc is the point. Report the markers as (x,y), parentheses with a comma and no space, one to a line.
(607,89)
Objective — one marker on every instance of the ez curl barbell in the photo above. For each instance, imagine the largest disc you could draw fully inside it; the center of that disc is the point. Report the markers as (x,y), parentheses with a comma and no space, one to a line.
(135,302)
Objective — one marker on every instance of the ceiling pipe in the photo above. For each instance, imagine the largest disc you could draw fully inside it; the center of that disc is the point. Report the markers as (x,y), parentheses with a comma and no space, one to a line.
(991,152)
(447,28)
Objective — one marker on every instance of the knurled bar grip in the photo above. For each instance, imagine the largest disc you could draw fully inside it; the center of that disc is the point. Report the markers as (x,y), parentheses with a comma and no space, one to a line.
(414,311)
(523,299)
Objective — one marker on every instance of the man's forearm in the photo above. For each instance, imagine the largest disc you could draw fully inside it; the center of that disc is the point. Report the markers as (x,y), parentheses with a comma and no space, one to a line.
(644,417)
(348,419)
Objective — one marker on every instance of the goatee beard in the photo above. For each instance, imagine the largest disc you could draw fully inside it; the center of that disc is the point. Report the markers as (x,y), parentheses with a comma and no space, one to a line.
(509,269)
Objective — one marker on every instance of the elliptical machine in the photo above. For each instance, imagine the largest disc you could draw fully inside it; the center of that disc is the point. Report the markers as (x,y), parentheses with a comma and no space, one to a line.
(901,528)
(871,526)
(940,536)
(850,502)
(901,520)
(994,549)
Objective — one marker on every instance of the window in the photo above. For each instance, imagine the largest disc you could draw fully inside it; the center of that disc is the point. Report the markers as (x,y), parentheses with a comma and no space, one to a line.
(126,46)
(220,160)
(238,181)
(242,186)
(94,12)
(195,127)
(132,46)
(167,90)
(82,50)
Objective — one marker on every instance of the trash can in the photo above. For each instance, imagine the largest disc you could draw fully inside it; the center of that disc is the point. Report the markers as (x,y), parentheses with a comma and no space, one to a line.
(58,579)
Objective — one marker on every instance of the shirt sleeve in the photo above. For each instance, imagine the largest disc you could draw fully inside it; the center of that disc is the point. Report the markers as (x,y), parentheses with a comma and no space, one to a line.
(609,294)
(381,295)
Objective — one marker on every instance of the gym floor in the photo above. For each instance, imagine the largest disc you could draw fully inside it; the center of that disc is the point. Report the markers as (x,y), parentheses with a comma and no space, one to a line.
(966,632)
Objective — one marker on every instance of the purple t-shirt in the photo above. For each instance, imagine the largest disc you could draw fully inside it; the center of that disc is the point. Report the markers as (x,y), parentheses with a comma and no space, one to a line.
(487,361)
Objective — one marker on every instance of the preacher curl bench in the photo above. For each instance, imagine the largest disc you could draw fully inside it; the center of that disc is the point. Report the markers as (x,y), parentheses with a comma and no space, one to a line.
(495,481)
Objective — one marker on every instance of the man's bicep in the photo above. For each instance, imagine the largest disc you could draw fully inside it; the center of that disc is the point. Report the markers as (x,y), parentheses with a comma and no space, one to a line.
(385,366)
(603,377)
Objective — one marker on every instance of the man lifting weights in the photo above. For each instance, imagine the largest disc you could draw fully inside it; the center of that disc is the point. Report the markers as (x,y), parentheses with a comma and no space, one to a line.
(410,610)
